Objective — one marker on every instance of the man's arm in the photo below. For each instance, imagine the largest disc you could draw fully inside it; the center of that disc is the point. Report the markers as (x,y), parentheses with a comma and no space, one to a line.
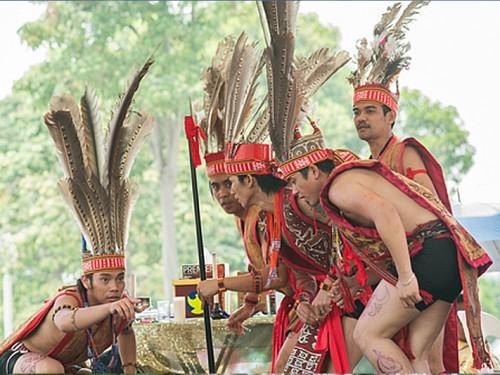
(244,283)
(128,350)
(352,197)
(68,317)
(306,290)
(414,169)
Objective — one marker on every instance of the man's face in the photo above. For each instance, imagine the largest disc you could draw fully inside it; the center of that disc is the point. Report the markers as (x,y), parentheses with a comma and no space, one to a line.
(370,121)
(220,186)
(106,286)
(242,190)
(307,188)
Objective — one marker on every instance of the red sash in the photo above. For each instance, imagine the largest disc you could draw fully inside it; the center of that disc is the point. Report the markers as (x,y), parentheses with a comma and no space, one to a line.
(33,322)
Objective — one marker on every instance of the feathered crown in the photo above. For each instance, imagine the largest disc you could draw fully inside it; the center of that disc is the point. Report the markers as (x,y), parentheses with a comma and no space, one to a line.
(245,122)
(291,83)
(379,63)
(95,184)
(214,100)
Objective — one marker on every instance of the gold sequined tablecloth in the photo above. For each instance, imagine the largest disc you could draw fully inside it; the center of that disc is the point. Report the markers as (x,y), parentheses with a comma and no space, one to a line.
(180,347)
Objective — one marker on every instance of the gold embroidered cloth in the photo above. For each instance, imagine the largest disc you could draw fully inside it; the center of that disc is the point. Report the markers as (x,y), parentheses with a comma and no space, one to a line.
(180,347)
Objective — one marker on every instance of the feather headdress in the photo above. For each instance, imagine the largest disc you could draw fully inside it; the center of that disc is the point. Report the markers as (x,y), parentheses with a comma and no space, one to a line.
(292,81)
(96,168)
(245,117)
(215,88)
(380,62)
(214,100)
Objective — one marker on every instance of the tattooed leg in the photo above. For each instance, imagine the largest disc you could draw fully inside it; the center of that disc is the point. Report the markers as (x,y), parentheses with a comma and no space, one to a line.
(382,319)
(378,300)
(387,364)
(31,363)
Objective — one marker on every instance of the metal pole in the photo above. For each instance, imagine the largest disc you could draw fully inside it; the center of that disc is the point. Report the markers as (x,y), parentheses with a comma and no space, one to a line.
(201,259)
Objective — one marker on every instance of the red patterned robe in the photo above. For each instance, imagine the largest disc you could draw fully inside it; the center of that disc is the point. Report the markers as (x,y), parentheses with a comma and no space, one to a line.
(249,229)
(308,248)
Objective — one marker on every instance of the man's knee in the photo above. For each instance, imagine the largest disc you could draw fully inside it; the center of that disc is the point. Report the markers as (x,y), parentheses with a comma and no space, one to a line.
(49,366)
(359,335)
(420,353)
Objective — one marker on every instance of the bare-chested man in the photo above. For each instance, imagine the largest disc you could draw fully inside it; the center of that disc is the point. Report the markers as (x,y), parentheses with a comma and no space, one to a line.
(81,322)
(57,338)
(403,233)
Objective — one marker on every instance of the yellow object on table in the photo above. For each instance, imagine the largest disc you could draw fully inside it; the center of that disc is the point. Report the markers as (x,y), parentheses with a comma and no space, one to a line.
(180,347)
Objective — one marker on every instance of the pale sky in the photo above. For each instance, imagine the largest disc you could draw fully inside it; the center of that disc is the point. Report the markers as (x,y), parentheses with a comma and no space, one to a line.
(455,59)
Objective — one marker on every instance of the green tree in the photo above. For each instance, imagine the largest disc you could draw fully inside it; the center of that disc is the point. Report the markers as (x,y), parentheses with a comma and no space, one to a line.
(441,129)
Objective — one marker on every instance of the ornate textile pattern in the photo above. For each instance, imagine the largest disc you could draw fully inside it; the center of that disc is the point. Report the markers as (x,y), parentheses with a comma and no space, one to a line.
(316,246)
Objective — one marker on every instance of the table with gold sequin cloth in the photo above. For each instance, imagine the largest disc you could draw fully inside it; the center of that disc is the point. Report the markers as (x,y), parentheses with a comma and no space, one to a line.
(180,347)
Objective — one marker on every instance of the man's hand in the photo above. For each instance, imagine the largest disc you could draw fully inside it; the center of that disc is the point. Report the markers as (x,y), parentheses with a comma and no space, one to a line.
(235,321)
(408,291)
(125,308)
(207,289)
(323,303)
(307,313)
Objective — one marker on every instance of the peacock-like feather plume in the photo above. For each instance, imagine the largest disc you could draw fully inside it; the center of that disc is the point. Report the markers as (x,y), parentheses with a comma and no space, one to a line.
(95,184)
(382,61)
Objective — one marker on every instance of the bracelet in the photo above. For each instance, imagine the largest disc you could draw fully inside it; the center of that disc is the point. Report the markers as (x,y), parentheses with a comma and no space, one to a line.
(325,287)
(130,364)
(257,282)
(220,284)
(73,322)
(408,282)
(62,307)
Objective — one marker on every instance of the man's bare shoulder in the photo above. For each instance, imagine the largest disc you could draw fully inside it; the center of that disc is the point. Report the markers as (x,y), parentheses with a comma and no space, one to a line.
(341,187)
(412,157)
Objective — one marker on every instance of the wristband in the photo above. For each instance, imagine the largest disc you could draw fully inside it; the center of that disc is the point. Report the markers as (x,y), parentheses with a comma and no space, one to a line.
(407,282)
(220,285)
(325,287)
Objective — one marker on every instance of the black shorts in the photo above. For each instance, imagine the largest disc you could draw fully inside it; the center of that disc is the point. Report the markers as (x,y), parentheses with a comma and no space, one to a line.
(436,269)
(9,358)
(358,310)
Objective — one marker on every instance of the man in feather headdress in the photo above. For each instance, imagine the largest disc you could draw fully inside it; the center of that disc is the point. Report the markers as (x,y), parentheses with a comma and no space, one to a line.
(248,220)
(375,110)
(222,116)
(421,253)
(82,321)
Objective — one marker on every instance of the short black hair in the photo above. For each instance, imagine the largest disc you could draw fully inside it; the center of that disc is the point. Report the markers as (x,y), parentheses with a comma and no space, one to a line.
(267,182)
(386,110)
(325,166)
